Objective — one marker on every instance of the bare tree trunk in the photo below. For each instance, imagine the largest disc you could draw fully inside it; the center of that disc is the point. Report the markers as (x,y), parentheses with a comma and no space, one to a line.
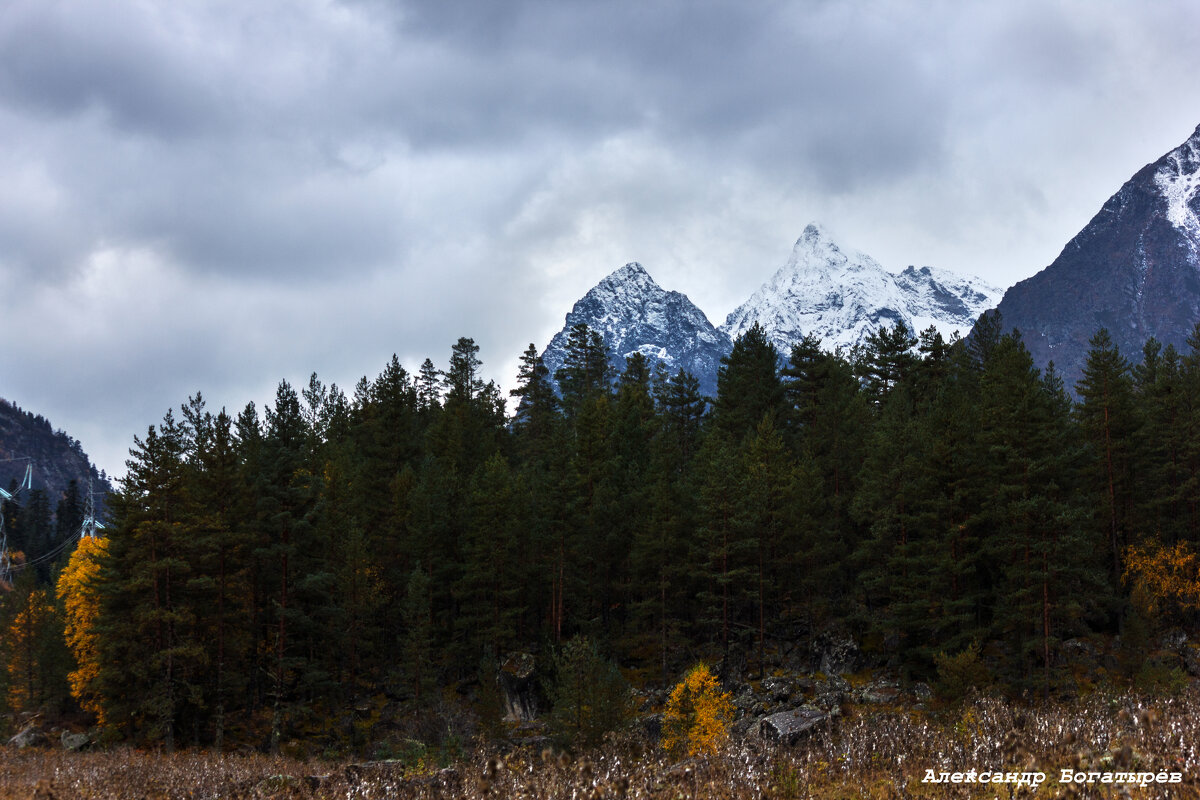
(1046,629)
(1112,496)
(662,578)
(277,706)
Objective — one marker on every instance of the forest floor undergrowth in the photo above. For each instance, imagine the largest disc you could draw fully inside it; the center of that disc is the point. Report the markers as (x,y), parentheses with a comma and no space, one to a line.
(1108,744)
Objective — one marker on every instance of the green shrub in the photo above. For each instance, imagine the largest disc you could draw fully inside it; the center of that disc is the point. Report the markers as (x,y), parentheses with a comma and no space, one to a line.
(958,674)
(1135,641)
(589,694)
(1160,680)
(490,702)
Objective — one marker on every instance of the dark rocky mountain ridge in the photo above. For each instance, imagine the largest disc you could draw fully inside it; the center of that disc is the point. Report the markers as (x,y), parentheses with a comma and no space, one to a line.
(634,314)
(1134,269)
(57,458)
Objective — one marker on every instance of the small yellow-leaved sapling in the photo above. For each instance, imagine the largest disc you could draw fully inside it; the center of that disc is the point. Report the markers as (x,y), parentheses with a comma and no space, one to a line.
(698,714)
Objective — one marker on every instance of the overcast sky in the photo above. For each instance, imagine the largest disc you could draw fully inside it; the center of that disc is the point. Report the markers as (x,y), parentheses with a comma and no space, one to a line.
(219,195)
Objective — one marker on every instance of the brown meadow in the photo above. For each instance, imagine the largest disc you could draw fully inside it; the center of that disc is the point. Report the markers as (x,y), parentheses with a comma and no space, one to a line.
(870,755)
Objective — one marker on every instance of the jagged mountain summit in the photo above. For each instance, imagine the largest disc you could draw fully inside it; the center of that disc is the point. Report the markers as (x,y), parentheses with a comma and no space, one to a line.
(634,314)
(841,295)
(1134,269)
(836,294)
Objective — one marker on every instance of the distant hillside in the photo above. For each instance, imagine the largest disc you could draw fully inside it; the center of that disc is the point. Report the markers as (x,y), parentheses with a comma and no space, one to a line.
(57,458)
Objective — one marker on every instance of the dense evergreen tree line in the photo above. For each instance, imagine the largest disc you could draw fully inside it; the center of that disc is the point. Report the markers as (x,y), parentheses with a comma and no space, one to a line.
(265,571)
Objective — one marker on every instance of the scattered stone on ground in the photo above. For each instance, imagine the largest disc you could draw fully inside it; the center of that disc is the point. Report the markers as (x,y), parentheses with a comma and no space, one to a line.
(787,727)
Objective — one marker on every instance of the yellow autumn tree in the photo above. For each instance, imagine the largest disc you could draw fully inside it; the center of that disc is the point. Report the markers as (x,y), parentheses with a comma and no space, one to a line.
(698,714)
(1164,578)
(81,605)
(26,676)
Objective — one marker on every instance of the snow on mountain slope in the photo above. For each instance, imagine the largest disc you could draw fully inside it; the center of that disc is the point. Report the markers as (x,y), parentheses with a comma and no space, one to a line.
(841,295)
(946,300)
(1178,178)
(634,314)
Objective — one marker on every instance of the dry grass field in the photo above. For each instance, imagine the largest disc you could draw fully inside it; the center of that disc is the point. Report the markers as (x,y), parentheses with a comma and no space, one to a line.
(881,754)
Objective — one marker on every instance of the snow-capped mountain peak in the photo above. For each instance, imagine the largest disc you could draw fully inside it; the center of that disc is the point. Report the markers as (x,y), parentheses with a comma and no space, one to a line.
(817,239)
(840,295)
(634,314)
(816,251)
(631,276)
(835,293)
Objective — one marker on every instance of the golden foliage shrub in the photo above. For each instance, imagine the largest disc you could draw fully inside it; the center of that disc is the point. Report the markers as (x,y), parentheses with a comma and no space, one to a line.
(698,714)
(26,677)
(1161,574)
(81,606)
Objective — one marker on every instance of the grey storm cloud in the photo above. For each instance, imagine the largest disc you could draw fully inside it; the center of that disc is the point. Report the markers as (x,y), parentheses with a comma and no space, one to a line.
(799,86)
(244,138)
(63,60)
(216,195)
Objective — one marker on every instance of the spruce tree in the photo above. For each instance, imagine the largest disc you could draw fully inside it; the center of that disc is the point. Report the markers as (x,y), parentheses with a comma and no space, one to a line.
(490,591)
(428,387)
(899,555)
(984,338)
(1108,415)
(885,360)
(416,633)
(773,527)
(585,546)
(1038,529)
(536,403)
(221,558)
(585,372)
(748,385)
(462,382)
(828,423)
(723,568)
(285,496)
(1189,378)
(36,528)
(151,660)
(681,409)
(1160,443)
(540,443)
(68,514)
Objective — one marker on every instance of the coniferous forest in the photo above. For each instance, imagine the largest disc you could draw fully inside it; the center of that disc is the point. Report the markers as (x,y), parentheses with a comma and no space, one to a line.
(284,573)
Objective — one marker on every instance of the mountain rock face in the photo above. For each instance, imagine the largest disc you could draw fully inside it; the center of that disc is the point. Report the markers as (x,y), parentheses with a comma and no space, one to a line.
(1134,269)
(634,314)
(56,457)
(840,295)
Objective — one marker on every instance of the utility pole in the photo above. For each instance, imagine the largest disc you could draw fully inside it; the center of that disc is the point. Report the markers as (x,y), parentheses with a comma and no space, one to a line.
(6,567)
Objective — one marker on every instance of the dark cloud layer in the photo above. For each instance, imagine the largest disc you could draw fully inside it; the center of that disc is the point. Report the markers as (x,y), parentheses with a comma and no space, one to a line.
(214,196)
(804,88)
